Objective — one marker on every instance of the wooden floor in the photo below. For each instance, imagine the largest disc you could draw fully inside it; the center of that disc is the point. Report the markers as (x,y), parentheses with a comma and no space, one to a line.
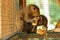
(50,36)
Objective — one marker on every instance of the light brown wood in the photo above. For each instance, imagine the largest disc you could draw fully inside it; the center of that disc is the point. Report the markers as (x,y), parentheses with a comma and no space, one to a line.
(7,17)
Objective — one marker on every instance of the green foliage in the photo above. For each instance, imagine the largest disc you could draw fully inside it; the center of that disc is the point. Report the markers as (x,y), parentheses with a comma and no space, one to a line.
(54,10)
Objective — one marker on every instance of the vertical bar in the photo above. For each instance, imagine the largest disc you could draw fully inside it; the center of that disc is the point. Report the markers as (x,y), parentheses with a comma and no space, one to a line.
(0,18)
(22,3)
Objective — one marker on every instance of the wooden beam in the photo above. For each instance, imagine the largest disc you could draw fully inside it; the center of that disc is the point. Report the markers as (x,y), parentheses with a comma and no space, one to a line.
(22,3)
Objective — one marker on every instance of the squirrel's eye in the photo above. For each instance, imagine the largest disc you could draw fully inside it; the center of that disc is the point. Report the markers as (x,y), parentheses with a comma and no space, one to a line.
(34,8)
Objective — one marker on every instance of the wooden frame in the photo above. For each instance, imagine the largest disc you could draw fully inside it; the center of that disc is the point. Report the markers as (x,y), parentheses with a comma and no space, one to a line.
(22,3)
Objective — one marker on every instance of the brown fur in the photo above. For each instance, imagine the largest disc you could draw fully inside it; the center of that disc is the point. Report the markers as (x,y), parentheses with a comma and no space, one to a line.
(41,21)
(27,14)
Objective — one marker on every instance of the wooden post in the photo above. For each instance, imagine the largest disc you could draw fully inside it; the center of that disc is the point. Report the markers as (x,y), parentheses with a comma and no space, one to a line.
(22,3)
